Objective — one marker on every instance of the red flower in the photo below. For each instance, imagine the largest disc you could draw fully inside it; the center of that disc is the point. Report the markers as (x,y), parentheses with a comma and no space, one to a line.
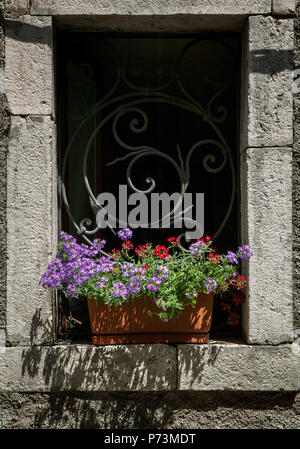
(116,254)
(225,286)
(233,319)
(161,251)
(216,258)
(146,266)
(205,239)
(127,245)
(238,298)
(225,306)
(142,250)
(239,282)
(173,240)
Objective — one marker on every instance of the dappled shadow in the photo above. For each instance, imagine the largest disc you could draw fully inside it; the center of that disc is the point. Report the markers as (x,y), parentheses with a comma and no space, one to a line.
(193,360)
(62,370)
(41,330)
(26,32)
(105,410)
(152,410)
(271,61)
(116,386)
(70,372)
(105,368)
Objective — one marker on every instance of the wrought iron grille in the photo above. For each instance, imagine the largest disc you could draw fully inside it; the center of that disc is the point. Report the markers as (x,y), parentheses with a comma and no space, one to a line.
(177,97)
(152,113)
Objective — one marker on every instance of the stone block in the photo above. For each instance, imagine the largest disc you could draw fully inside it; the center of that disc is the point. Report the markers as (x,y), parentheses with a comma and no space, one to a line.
(2,340)
(4,128)
(238,367)
(283,7)
(16,7)
(267,114)
(28,66)
(267,226)
(31,228)
(88,368)
(144,7)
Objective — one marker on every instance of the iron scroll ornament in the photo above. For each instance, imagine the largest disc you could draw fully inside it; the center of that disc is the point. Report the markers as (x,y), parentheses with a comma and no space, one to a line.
(113,108)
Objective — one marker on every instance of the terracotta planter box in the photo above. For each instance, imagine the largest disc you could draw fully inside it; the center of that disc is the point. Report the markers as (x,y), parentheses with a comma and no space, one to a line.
(131,324)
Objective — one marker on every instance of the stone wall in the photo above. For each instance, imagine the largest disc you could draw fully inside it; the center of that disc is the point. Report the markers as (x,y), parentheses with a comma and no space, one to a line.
(4,130)
(221,385)
(296,182)
(203,410)
(31,211)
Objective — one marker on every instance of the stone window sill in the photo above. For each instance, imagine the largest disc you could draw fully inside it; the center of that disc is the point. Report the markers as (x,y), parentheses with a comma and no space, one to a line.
(217,366)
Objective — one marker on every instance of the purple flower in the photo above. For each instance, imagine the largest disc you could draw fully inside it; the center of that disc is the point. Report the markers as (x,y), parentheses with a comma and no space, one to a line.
(54,275)
(211,285)
(231,256)
(64,237)
(74,264)
(100,243)
(134,285)
(106,264)
(125,234)
(197,248)
(244,252)
(153,284)
(162,271)
(119,289)
(72,291)
(128,269)
(96,247)
(102,282)
(140,273)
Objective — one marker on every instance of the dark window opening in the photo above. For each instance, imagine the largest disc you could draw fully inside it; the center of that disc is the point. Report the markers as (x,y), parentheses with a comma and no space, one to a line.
(134,110)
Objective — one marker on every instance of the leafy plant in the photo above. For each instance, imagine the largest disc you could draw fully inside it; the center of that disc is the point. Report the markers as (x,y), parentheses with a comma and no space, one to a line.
(171,276)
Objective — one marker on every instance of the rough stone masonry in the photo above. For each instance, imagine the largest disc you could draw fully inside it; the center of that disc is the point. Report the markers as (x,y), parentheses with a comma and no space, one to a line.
(250,384)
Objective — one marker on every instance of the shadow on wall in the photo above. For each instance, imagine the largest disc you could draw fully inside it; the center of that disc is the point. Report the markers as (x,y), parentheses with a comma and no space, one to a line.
(159,410)
(270,61)
(26,32)
(85,367)
(89,368)
(153,410)
(105,410)
(81,378)
(130,386)
(192,365)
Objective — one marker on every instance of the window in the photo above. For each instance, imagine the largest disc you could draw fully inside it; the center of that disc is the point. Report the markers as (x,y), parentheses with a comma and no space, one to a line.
(145,114)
